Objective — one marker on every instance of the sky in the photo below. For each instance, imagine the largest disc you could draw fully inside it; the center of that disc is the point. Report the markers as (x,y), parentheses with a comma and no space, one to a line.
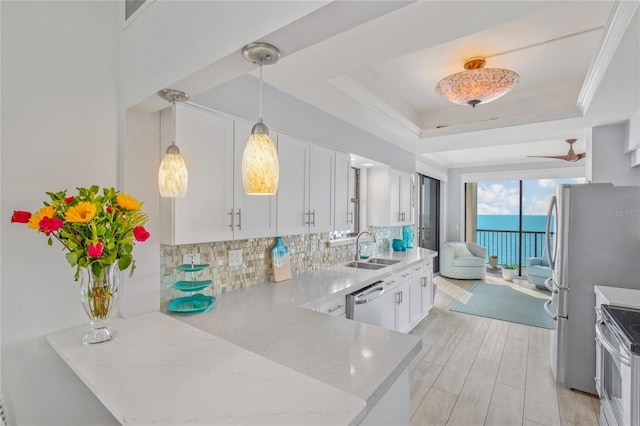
(502,197)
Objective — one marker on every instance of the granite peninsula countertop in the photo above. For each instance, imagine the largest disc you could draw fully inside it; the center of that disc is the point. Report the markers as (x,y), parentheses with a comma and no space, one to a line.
(270,320)
(161,371)
(263,355)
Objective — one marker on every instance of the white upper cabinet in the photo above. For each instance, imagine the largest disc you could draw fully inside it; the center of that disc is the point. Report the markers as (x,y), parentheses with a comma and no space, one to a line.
(254,216)
(343,193)
(390,197)
(206,143)
(321,182)
(305,192)
(293,189)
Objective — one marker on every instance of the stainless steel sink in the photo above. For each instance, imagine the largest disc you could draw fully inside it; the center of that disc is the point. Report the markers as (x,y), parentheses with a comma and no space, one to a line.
(385,262)
(363,265)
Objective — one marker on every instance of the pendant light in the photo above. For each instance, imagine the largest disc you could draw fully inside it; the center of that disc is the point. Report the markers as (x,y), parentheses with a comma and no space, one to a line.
(173,177)
(260,168)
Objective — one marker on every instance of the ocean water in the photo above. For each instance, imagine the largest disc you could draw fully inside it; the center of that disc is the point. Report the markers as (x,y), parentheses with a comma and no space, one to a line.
(503,222)
(506,244)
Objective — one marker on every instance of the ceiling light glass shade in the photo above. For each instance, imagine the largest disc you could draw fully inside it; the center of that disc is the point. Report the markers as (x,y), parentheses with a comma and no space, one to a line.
(260,166)
(173,177)
(477,85)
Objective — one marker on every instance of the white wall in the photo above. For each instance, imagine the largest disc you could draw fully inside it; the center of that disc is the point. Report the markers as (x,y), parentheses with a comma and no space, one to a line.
(609,161)
(285,113)
(59,75)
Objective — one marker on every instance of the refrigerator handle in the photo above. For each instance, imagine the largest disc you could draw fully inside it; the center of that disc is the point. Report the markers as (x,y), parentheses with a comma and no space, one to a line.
(552,256)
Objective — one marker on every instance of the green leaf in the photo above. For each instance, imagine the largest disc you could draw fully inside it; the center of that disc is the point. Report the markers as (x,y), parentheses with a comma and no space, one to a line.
(127,248)
(124,262)
(96,268)
(50,242)
(72,257)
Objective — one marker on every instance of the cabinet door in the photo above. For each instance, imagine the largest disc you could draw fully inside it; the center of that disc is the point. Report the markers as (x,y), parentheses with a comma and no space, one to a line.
(416,295)
(403,308)
(395,197)
(254,215)
(293,188)
(390,300)
(427,290)
(408,198)
(321,180)
(206,143)
(343,212)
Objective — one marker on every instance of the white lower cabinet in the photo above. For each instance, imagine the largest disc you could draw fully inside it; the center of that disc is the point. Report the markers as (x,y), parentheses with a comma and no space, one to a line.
(421,295)
(396,302)
(408,297)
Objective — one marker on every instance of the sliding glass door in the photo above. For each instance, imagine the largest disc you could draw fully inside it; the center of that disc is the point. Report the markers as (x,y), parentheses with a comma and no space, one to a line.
(508,217)
(429,216)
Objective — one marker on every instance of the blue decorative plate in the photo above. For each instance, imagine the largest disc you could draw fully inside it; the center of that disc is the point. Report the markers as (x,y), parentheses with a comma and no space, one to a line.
(192,285)
(191,268)
(192,304)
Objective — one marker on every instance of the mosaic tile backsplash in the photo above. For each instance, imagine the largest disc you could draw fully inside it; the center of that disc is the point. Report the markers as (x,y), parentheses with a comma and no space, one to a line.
(308,252)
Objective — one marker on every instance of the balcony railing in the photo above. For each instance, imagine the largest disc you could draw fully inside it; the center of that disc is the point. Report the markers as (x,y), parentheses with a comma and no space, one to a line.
(506,244)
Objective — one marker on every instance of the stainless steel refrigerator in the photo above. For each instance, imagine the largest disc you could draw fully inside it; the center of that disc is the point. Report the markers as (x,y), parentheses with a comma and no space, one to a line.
(593,238)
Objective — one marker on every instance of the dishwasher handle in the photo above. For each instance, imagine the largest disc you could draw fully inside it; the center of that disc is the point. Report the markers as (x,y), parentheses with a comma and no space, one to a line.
(369,295)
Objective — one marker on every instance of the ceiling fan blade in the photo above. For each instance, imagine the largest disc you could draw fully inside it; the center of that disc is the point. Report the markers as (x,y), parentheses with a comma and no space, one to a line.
(581,156)
(557,157)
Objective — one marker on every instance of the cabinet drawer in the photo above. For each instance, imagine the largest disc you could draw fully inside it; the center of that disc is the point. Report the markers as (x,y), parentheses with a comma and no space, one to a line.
(418,269)
(336,307)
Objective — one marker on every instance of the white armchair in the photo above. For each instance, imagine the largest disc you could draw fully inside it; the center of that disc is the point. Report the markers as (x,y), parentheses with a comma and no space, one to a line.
(462,260)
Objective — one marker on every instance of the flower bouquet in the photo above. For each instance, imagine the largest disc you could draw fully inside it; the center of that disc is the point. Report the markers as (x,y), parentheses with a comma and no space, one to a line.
(97,233)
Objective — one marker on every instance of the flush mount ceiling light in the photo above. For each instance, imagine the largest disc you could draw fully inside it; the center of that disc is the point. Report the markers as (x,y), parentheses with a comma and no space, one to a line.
(173,177)
(477,85)
(260,167)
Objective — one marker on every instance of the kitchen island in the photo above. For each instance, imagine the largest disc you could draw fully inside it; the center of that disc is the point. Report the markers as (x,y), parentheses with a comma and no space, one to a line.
(363,366)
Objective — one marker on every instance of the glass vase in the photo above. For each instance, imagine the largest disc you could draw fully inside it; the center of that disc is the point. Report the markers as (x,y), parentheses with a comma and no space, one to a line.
(99,293)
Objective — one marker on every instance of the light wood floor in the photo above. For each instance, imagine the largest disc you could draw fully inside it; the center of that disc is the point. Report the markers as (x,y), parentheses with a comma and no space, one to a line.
(480,371)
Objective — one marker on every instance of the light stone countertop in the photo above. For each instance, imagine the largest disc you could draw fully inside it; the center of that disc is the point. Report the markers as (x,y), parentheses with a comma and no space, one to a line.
(618,296)
(188,376)
(269,320)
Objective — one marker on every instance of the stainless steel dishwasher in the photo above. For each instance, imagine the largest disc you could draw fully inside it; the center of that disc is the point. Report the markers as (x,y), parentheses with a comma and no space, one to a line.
(365,305)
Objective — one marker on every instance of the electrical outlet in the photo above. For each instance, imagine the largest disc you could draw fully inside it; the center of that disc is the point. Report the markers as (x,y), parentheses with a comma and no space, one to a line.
(235,257)
(186,258)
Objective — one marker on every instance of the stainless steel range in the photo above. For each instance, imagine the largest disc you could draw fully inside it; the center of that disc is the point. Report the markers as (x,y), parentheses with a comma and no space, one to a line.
(618,346)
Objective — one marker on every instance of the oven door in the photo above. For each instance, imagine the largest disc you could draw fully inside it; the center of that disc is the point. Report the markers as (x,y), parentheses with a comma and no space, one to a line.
(615,377)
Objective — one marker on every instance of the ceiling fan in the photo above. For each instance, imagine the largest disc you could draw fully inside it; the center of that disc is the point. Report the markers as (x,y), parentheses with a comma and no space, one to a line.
(570,156)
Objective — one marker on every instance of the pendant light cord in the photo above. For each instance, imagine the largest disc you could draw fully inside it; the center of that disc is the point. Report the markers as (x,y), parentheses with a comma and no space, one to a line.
(173,128)
(260,95)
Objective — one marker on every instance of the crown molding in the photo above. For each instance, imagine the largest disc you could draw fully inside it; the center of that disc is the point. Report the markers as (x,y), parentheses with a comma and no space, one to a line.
(619,20)
(360,93)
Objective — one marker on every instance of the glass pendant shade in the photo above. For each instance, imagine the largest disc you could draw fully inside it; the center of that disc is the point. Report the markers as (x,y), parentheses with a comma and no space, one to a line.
(260,167)
(173,177)
(477,85)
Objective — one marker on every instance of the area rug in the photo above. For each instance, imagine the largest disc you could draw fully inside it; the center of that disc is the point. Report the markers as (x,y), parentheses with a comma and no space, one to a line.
(521,305)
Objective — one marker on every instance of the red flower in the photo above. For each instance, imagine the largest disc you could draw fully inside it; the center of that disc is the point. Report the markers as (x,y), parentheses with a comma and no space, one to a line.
(20,216)
(95,250)
(48,225)
(140,233)
(68,200)
(111,209)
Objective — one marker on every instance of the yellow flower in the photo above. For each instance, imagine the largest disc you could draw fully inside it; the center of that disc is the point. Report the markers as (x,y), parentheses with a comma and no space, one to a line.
(46,211)
(128,202)
(81,212)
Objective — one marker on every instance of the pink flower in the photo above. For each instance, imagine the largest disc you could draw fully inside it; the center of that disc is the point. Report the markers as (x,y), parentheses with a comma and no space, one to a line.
(20,216)
(140,233)
(95,250)
(48,224)
(68,200)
